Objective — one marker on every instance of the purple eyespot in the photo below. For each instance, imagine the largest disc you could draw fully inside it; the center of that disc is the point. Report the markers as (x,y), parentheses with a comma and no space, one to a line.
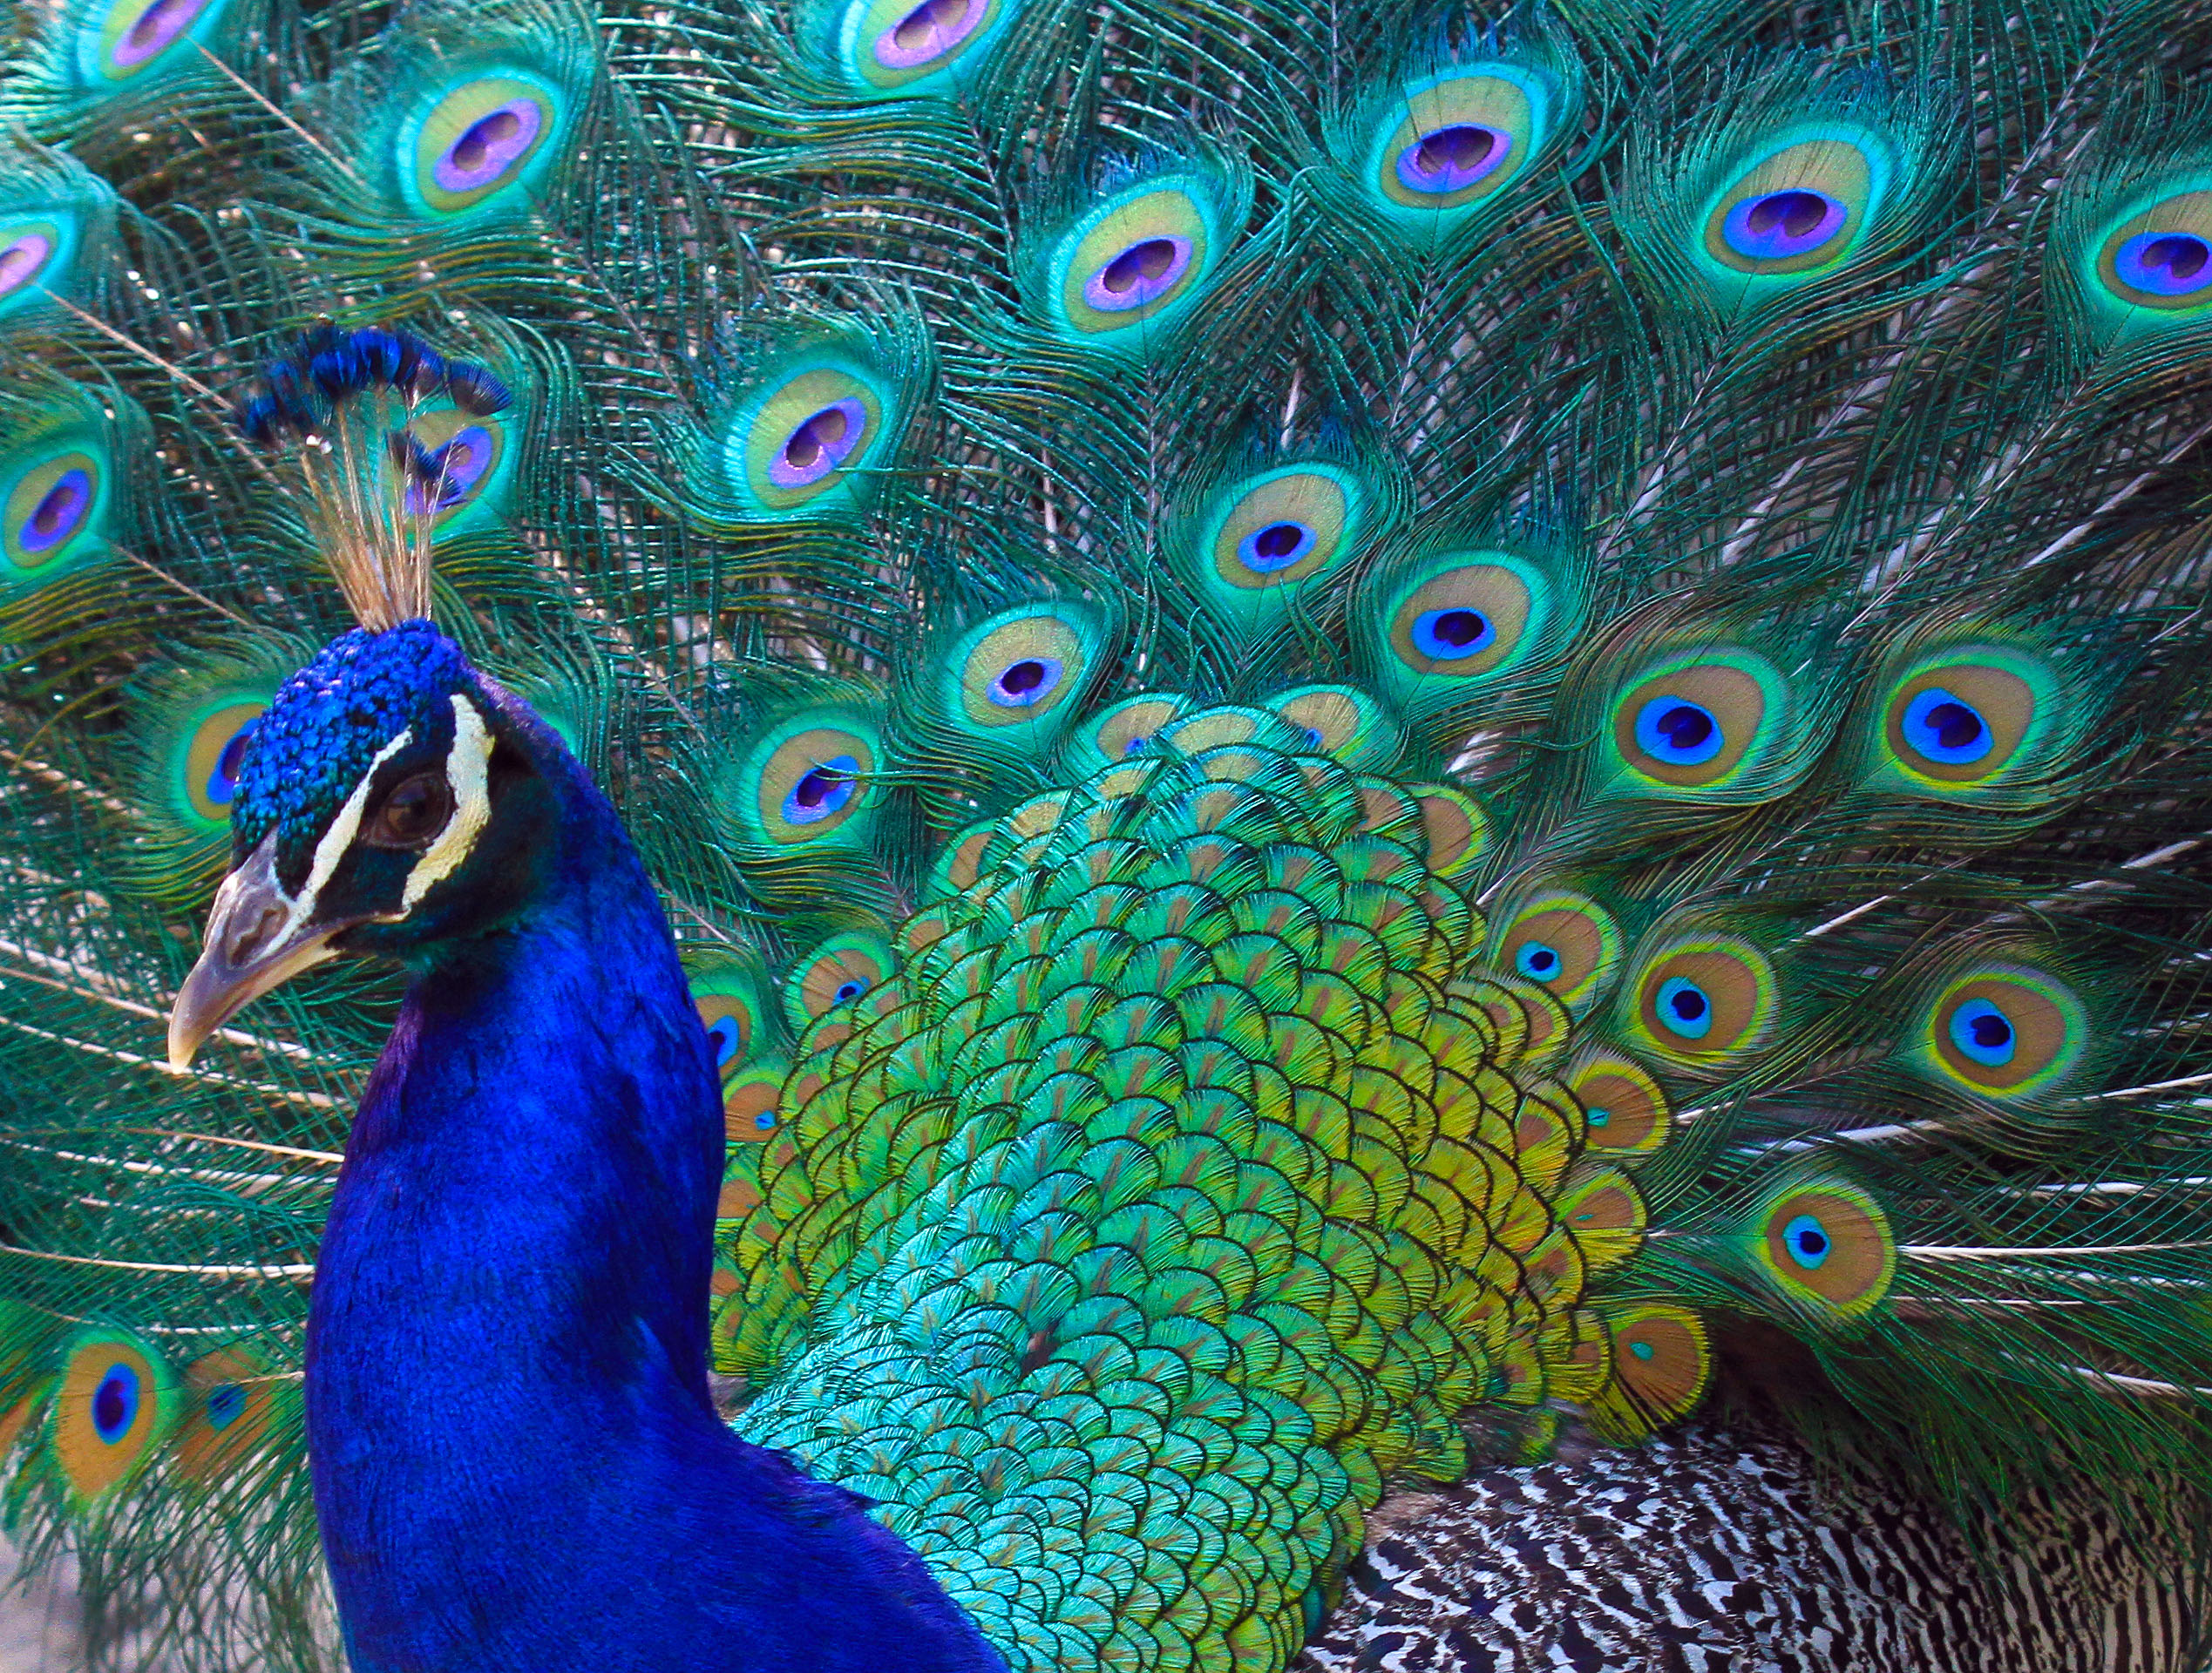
(1452,158)
(462,463)
(930,31)
(1275,546)
(822,790)
(820,445)
(489,147)
(1776,225)
(59,514)
(1026,683)
(222,782)
(152,29)
(1140,276)
(21,262)
(2166,264)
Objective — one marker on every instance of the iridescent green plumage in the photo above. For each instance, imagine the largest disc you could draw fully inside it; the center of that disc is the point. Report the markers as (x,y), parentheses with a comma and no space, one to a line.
(1304,819)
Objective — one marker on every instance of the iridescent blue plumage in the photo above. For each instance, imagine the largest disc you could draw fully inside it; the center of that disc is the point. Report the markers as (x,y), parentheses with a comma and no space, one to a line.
(508,1340)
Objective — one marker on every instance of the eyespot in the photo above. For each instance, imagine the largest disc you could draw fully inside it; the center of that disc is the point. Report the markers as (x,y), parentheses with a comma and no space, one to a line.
(139,32)
(1456,828)
(215,755)
(1805,206)
(1566,943)
(116,1403)
(839,972)
(230,1405)
(2161,257)
(812,781)
(1677,731)
(469,449)
(1827,1246)
(1456,140)
(2006,1031)
(1660,1366)
(1023,670)
(807,436)
(749,1101)
(1971,717)
(1340,721)
(1136,261)
(54,506)
(915,46)
(728,998)
(929,34)
(1701,723)
(1284,527)
(412,812)
(1700,1001)
(1622,1108)
(1475,618)
(1122,731)
(478,141)
(25,255)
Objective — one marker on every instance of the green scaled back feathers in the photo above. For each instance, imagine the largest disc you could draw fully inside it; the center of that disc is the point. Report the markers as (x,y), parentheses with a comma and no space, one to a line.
(1364,725)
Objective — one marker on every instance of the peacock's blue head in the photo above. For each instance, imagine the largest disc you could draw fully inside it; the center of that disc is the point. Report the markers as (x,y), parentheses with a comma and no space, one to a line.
(380,772)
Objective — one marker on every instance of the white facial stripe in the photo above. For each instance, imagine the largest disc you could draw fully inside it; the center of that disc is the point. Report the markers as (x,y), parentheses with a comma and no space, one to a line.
(468,774)
(337,840)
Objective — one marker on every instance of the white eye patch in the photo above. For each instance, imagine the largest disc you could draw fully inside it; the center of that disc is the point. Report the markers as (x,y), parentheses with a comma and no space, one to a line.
(339,837)
(468,774)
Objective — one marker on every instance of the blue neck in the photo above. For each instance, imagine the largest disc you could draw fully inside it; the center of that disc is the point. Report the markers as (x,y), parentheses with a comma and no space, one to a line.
(517,1463)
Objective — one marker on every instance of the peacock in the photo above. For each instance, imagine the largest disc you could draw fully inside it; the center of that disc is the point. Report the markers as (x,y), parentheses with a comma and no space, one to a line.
(849,834)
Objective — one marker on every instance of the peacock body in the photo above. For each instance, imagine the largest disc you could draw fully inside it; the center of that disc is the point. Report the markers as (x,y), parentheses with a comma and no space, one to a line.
(1339,728)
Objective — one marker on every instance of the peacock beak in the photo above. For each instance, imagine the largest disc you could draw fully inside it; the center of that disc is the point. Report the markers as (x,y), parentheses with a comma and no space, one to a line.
(257,938)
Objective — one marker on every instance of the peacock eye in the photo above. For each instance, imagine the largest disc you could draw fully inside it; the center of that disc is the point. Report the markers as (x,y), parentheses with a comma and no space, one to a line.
(415,811)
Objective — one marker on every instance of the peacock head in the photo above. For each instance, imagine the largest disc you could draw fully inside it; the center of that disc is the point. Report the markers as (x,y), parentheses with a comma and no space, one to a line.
(391,801)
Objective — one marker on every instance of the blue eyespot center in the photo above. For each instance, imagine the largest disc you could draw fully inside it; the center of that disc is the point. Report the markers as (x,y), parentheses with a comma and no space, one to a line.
(1023,684)
(1539,961)
(1275,546)
(490,146)
(822,790)
(2166,264)
(115,1404)
(1941,727)
(455,470)
(1678,732)
(724,1033)
(1450,160)
(1599,1115)
(850,990)
(1140,276)
(930,31)
(1448,635)
(1136,746)
(153,29)
(765,1120)
(1777,226)
(1808,1241)
(22,260)
(1684,1008)
(1982,1033)
(1643,1350)
(226,1401)
(59,513)
(820,444)
(222,779)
